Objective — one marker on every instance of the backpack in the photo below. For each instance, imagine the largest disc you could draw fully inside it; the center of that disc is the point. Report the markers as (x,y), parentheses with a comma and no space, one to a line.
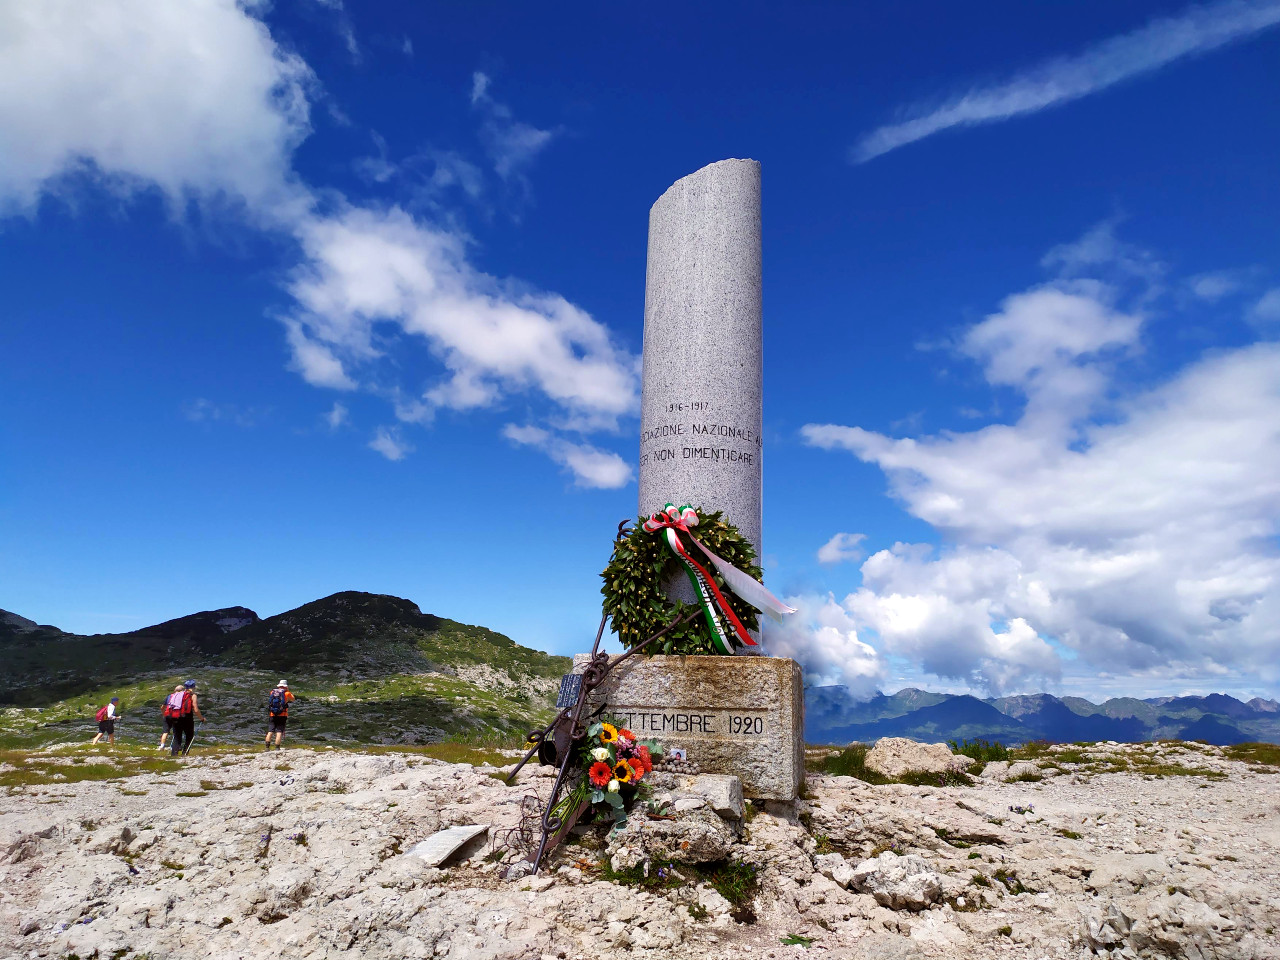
(101,715)
(276,702)
(173,704)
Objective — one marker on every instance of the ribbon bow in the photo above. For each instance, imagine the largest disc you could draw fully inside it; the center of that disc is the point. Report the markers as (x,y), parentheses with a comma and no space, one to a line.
(726,628)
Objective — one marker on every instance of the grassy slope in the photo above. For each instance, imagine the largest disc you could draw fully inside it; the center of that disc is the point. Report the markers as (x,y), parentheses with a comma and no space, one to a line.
(365,669)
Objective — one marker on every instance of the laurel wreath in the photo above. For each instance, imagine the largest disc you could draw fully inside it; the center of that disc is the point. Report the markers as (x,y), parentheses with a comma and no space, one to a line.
(642,564)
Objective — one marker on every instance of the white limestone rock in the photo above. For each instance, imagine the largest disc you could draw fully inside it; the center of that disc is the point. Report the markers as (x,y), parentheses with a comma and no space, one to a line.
(835,868)
(894,756)
(898,882)
(723,793)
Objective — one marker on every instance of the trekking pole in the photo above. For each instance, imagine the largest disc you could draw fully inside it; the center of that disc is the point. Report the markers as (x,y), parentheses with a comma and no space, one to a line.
(187,748)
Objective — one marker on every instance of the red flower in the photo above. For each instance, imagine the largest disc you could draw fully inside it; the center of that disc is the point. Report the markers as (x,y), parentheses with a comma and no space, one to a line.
(645,758)
(600,774)
(637,769)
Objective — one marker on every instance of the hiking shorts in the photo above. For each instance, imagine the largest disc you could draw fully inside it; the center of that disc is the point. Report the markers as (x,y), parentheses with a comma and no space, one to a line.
(168,724)
(276,724)
(107,726)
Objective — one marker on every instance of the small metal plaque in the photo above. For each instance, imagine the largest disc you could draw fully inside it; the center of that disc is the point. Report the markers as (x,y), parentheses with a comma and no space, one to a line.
(570,686)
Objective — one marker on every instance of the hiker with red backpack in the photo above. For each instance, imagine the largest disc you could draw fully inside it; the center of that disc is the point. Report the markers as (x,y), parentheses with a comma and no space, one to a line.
(106,717)
(184,724)
(169,713)
(277,713)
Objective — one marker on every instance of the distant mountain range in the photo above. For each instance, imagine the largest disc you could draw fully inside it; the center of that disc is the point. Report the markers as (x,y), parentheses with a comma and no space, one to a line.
(375,668)
(833,716)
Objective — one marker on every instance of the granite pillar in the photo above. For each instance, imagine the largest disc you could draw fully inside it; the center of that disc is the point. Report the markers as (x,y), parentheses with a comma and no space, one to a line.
(701,403)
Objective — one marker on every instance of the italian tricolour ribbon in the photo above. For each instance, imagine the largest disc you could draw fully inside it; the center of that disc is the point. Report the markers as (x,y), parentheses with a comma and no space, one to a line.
(725,626)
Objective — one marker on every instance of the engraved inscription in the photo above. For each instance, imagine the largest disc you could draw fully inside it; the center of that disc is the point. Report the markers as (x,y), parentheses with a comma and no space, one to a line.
(694,724)
(679,430)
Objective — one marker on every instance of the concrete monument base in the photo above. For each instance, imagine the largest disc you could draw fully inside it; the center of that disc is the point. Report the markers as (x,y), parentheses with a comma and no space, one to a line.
(742,716)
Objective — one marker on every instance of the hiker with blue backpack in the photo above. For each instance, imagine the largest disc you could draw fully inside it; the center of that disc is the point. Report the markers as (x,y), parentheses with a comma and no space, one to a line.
(277,713)
(184,723)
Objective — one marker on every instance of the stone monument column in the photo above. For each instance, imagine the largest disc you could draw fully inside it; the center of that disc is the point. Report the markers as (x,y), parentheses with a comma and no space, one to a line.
(703,358)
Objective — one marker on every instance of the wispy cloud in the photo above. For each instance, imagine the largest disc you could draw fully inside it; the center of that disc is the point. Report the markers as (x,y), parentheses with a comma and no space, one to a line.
(337,417)
(591,467)
(1267,310)
(1062,79)
(511,143)
(206,411)
(388,442)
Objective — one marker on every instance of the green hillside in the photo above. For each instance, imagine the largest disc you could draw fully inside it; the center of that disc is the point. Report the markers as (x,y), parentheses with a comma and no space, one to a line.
(366,668)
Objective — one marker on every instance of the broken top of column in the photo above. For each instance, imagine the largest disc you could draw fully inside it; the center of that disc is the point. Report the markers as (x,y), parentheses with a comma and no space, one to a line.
(701,406)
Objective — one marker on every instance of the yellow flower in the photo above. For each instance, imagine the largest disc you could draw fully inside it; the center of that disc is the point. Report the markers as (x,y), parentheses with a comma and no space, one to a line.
(622,771)
(608,733)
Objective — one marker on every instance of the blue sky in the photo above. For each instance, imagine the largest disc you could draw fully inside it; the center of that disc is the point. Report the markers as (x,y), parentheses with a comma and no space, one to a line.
(281,282)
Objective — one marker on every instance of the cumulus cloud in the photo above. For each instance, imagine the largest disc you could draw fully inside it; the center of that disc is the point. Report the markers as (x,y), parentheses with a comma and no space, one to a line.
(196,100)
(823,637)
(1133,528)
(842,548)
(364,267)
(1063,79)
(388,442)
(591,467)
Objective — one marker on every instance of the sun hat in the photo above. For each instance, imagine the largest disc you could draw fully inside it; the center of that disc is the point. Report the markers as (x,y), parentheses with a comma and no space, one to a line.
(115,699)
(188,683)
(283,683)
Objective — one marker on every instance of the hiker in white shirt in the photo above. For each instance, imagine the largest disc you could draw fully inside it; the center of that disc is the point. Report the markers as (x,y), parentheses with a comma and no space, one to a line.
(106,718)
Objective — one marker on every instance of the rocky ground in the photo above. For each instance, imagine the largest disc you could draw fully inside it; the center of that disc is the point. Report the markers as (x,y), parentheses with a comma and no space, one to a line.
(304,853)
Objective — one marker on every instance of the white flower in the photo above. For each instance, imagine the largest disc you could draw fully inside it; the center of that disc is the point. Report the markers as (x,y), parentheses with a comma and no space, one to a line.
(600,753)
(613,786)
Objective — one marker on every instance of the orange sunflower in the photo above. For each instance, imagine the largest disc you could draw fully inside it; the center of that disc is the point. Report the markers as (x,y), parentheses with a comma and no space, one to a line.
(600,774)
(608,733)
(622,771)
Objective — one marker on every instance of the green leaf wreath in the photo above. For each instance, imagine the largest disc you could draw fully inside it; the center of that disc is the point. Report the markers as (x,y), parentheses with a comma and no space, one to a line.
(641,563)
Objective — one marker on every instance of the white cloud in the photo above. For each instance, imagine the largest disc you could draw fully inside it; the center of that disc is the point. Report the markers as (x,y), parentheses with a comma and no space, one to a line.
(1135,527)
(338,416)
(824,639)
(511,143)
(366,267)
(1063,79)
(591,467)
(388,442)
(1267,310)
(842,548)
(206,411)
(1215,285)
(195,99)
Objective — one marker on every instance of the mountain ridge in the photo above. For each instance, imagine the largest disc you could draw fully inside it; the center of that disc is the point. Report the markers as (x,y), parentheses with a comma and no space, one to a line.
(366,668)
(834,716)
